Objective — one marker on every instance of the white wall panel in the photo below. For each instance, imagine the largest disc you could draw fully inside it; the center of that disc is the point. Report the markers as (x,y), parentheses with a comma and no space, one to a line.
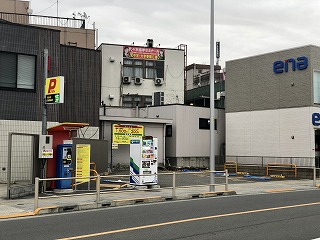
(277,133)
(187,139)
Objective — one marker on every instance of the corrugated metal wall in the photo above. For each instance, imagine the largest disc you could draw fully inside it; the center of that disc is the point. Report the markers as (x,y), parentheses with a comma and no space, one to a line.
(21,105)
(82,71)
(81,68)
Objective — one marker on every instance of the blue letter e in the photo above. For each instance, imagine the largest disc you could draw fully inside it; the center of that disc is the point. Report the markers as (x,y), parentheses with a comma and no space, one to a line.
(316,119)
(278,67)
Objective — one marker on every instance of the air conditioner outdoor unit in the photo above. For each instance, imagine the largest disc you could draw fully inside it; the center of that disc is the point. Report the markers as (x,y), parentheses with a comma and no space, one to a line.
(223,94)
(138,81)
(158,81)
(126,80)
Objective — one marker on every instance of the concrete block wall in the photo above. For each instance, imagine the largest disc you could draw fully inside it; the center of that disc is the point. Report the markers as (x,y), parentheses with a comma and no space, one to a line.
(18,191)
(22,146)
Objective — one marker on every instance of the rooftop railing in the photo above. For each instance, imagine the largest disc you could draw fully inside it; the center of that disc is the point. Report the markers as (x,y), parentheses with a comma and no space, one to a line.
(43,20)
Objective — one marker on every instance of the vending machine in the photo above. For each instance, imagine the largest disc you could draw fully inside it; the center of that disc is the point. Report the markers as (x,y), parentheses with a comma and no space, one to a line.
(64,165)
(144,160)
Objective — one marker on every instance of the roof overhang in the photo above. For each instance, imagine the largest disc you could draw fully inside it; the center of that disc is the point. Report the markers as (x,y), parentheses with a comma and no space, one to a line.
(67,126)
(139,120)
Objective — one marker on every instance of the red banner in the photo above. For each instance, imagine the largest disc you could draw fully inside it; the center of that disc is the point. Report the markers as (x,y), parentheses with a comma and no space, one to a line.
(143,53)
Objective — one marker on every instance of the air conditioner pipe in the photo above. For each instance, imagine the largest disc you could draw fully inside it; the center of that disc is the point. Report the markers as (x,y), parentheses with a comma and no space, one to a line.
(137,109)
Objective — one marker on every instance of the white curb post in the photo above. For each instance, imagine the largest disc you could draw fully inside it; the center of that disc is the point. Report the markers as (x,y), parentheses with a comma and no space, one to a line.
(98,189)
(314,176)
(174,184)
(36,193)
(227,182)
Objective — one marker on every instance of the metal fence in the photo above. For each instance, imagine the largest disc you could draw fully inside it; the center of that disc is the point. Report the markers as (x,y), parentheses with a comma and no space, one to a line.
(21,166)
(43,20)
(263,161)
(98,192)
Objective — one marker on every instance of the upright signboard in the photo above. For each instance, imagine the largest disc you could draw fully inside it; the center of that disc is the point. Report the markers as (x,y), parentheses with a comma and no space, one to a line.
(83,162)
(123,133)
(55,90)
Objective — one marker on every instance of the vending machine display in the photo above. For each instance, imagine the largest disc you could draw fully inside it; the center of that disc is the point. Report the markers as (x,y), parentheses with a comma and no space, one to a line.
(64,165)
(143,161)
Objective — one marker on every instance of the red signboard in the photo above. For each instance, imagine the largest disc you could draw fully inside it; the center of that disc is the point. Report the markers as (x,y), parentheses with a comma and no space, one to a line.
(143,53)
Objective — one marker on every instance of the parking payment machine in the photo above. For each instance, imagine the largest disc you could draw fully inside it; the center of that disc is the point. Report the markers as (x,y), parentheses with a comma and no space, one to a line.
(64,165)
(143,160)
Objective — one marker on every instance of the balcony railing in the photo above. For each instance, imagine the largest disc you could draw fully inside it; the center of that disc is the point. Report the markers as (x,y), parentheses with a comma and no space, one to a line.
(43,20)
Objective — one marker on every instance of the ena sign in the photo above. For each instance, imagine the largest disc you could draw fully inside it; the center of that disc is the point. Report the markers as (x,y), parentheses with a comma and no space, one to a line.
(316,119)
(283,66)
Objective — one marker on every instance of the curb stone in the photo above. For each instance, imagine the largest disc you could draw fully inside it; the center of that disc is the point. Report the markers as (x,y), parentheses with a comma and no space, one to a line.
(124,202)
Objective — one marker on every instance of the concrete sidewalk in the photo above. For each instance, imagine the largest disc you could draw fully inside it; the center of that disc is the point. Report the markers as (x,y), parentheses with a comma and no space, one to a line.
(63,203)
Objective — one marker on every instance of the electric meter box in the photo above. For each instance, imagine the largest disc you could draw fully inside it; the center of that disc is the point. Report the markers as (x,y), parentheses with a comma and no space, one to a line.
(144,160)
(45,146)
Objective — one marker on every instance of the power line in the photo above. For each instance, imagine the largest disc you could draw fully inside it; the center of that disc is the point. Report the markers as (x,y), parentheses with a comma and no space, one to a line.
(47,8)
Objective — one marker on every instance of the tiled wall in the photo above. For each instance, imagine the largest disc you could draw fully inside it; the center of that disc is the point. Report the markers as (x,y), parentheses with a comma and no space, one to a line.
(21,148)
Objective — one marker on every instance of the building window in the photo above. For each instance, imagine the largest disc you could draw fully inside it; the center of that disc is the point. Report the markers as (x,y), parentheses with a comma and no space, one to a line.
(168,130)
(143,68)
(316,87)
(150,70)
(159,66)
(138,68)
(204,123)
(17,71)
(136,100)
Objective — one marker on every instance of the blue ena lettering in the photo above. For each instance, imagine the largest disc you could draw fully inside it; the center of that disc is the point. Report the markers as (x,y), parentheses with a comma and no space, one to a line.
(283,66)
(316,119)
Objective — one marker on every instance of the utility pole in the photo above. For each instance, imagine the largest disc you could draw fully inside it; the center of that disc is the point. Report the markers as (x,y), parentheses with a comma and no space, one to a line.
(57,13)
(44,106)
(44,112)
(212,96)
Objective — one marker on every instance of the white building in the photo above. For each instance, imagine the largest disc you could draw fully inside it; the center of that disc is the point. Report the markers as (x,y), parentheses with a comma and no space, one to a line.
(183,133)
(272,107)
(141,75)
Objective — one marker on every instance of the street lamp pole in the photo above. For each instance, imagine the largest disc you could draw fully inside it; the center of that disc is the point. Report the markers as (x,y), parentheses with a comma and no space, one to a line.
(212,97)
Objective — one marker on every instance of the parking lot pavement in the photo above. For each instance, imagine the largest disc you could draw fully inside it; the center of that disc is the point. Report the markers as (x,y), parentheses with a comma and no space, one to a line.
(237,184)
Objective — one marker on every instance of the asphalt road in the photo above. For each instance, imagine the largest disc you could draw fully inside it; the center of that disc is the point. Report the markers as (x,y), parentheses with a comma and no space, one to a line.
(290,215)
(183,178)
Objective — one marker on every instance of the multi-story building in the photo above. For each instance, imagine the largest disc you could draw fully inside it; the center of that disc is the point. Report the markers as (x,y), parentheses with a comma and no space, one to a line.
(198,85)
(272,107)
(22,85)
(73,31)
(141,75)
(134,78)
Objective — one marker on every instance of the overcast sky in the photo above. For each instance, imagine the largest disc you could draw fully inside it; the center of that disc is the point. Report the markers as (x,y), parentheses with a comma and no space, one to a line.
(244,27)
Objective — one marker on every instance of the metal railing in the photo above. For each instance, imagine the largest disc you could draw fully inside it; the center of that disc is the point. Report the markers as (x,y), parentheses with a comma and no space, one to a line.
(276,167)
(264,160)
(98,192)
(280,167)
(43,20)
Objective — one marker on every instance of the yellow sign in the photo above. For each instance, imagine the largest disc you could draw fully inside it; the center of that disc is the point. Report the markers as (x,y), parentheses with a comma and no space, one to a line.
(123,133)
(47,153)
(55,90)
(83,162)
